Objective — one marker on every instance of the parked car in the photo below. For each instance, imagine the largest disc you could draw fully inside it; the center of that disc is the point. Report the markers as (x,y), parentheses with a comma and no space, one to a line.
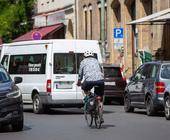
(115,83)
(146,87)
(166,75)
(11,106)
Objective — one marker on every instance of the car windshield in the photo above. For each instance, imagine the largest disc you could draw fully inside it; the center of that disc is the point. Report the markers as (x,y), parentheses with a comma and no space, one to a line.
(112,72)
(4,77)
(165,71)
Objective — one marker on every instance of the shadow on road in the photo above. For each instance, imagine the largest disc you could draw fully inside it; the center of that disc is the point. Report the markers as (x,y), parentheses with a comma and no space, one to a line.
(64,111)
(142,112)
(104,126)
(8,128)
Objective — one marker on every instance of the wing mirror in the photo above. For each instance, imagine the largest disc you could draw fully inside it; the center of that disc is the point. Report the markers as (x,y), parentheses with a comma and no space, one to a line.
(17,80)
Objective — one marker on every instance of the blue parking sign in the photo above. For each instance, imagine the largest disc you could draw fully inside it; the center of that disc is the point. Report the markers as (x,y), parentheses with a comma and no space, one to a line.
(118,32)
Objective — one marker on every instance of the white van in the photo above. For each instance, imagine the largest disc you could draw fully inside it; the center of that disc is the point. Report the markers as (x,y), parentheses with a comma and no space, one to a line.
(49,69)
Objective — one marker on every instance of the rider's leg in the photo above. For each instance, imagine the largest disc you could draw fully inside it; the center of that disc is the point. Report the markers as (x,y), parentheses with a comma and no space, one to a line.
(99,90)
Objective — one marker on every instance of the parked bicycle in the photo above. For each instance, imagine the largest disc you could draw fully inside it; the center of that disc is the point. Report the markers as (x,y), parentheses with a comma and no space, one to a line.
(93,110)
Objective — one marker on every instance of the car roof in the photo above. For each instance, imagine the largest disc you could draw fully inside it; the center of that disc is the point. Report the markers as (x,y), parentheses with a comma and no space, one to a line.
(158,62)
(111,66)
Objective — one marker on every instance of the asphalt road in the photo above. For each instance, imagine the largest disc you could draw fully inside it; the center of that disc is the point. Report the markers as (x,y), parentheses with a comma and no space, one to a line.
(69,124)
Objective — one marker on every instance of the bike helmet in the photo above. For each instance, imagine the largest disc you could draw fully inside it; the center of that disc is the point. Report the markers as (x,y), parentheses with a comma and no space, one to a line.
(88,54)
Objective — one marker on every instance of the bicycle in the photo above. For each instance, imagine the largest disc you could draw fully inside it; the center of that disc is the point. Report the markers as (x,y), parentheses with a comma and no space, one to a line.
(93,110)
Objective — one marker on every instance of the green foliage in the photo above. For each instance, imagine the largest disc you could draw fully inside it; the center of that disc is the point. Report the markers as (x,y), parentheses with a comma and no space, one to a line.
(15,18)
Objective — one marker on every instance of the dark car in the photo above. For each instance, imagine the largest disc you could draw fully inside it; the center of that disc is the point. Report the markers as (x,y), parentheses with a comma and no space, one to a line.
(115,83)
(11,106)
(146,88)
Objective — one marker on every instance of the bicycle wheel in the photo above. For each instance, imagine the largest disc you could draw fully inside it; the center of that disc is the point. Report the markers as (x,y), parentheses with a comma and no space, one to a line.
(88,117)
(98,116)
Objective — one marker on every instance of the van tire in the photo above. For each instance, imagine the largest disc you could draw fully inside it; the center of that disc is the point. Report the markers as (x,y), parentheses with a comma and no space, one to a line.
(37,105)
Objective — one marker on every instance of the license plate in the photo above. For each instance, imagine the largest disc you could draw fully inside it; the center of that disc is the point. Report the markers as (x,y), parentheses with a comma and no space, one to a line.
(63,85)
(110,83)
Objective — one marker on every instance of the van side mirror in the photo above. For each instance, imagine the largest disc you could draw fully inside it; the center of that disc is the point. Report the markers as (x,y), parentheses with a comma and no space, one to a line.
(17,80)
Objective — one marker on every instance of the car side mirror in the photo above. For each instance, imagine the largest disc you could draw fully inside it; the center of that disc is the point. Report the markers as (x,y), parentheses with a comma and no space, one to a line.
(17,80)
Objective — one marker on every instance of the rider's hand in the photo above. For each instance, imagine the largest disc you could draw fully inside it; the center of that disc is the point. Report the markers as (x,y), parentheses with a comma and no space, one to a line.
(79,83)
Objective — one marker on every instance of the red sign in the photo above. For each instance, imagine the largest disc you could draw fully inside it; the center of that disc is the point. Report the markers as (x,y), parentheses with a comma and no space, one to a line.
(36,35)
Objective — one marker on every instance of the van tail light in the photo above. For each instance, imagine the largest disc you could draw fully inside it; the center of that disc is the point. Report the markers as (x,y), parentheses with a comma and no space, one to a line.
(159,87)
(48,86)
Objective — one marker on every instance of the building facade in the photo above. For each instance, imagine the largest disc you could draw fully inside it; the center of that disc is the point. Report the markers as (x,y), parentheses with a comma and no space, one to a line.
(147,37)
(51,12)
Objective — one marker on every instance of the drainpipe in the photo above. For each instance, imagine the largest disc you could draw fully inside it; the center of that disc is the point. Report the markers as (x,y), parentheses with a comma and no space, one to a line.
(102,29)
(76,16)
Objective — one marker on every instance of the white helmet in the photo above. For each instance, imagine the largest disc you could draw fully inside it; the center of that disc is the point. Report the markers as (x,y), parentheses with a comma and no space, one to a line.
(88,53)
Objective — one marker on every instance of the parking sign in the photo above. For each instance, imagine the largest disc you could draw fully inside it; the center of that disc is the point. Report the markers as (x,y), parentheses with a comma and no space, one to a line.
(118,32)
(118,37)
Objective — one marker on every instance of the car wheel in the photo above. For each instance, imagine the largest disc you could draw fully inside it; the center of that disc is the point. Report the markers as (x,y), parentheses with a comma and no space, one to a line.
(127,105)
(18,125)
(37,105)
(167,108)
(149,106)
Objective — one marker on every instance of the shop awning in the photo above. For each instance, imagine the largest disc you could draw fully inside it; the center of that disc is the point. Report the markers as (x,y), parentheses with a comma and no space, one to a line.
(39,33)
(161,16)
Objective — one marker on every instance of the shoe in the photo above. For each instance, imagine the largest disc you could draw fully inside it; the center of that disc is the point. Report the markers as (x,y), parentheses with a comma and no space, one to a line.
(102,120)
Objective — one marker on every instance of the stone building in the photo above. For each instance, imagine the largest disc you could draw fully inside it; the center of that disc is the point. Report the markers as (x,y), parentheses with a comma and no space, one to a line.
(147,36)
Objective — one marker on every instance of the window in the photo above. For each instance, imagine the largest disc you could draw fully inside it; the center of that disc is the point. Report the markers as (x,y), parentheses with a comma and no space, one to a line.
(139,73)
(91,23)
(165,71)
(112,72)
(85,21)
(4,77)
(153,71)
(27,64)
(4,61)
(65,63)
(105,21)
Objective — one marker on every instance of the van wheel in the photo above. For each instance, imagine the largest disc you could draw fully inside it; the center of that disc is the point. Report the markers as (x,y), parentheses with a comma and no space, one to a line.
(167,108)
(149,106)
(127,105)
(37,105)
(18,125)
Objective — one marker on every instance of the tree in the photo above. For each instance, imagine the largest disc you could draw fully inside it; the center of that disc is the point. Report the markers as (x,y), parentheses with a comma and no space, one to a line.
(15,18)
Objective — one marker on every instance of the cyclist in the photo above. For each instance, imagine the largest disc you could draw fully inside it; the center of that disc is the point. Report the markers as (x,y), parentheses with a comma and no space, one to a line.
(91,75)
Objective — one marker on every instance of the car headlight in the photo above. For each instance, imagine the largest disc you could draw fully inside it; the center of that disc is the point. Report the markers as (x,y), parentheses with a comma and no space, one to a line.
(14,94)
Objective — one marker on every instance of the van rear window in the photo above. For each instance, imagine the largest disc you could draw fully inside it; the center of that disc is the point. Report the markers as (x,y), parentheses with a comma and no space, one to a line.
(67,63)
(27,64)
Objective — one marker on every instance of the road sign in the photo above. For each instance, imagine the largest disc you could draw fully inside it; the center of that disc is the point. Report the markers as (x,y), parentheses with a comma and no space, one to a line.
(36,35)
(118,37)
(118,32)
